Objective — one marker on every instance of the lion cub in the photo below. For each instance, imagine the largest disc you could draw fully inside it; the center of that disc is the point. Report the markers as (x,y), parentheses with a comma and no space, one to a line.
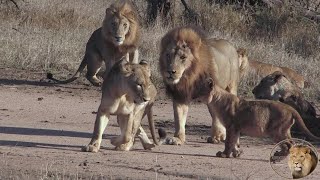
(255,118)
(128,93)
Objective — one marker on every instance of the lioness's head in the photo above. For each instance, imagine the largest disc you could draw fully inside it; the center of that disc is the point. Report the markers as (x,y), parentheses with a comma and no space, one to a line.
(272,86)
(136,81)
(242,56)
(120,23)
(179,50)
(300,161)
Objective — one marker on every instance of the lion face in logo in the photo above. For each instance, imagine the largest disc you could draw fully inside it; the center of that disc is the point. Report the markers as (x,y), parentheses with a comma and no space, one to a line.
(302,161)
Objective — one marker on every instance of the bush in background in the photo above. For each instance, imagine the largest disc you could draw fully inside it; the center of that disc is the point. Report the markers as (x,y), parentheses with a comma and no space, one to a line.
(51,35)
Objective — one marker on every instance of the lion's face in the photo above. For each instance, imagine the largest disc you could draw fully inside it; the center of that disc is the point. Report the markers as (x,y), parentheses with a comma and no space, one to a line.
(300,160)
(118,28)
(120,23)
(176,58)
(138,82)
(270,86)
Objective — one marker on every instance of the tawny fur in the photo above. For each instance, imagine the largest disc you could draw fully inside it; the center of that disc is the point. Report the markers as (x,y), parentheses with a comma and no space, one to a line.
(302,161)
(202,65)
(120,24)
(263,69)
(187,57)
(257,118)
(129,94)
(277,87)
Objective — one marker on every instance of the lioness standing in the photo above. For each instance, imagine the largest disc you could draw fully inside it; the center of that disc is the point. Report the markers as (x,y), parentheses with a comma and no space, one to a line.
(252,118)
(188,56)
(128,93)
(117,38)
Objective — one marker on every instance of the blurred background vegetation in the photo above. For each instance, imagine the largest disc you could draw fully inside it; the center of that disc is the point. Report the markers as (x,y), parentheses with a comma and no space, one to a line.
(45,35)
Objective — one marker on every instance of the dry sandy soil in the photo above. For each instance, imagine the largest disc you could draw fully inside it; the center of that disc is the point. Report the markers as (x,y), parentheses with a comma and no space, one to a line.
(44,126)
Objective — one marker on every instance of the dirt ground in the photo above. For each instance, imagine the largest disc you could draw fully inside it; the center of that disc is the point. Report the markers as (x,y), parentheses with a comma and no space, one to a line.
(44,126)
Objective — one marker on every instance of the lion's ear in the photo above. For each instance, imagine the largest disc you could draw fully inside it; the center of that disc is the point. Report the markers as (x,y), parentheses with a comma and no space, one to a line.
(195,44)
(291,149)
(277,76)
(110,11)
(125,67)
(126,8)
(210,84)
(308,151)
(242,52)
(146,65)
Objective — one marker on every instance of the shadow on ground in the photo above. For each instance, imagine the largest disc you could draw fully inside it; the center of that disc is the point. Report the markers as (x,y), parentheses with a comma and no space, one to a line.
(47,132)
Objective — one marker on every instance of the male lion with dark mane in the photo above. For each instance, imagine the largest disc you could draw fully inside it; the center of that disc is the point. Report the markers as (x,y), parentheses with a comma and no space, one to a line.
(118,37)
(187,56)
(302,161)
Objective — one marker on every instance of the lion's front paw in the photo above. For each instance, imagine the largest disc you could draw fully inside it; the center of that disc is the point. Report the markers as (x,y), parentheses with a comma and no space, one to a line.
(237,153)
(125,147)
(91,148)
(222,154)
(95,81)
(174,141)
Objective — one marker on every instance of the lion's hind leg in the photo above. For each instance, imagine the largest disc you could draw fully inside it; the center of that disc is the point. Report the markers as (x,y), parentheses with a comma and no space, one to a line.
(145,141)
(94,63)
(286,145)
(125,140)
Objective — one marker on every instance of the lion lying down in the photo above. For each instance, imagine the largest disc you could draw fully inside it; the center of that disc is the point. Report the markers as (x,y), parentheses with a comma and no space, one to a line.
(302,161)
(128,93)
(264,69)
(252,118)
(277,86)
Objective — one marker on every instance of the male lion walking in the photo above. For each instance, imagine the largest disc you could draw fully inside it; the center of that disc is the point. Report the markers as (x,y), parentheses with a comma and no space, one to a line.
(187,57)
(117,38)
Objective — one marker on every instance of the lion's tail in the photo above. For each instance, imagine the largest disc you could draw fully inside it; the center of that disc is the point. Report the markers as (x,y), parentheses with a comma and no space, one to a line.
(163,136)
(303,126)
(73,78)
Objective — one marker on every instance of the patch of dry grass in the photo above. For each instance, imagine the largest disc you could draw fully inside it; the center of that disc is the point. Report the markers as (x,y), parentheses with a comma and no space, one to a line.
(51,35)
